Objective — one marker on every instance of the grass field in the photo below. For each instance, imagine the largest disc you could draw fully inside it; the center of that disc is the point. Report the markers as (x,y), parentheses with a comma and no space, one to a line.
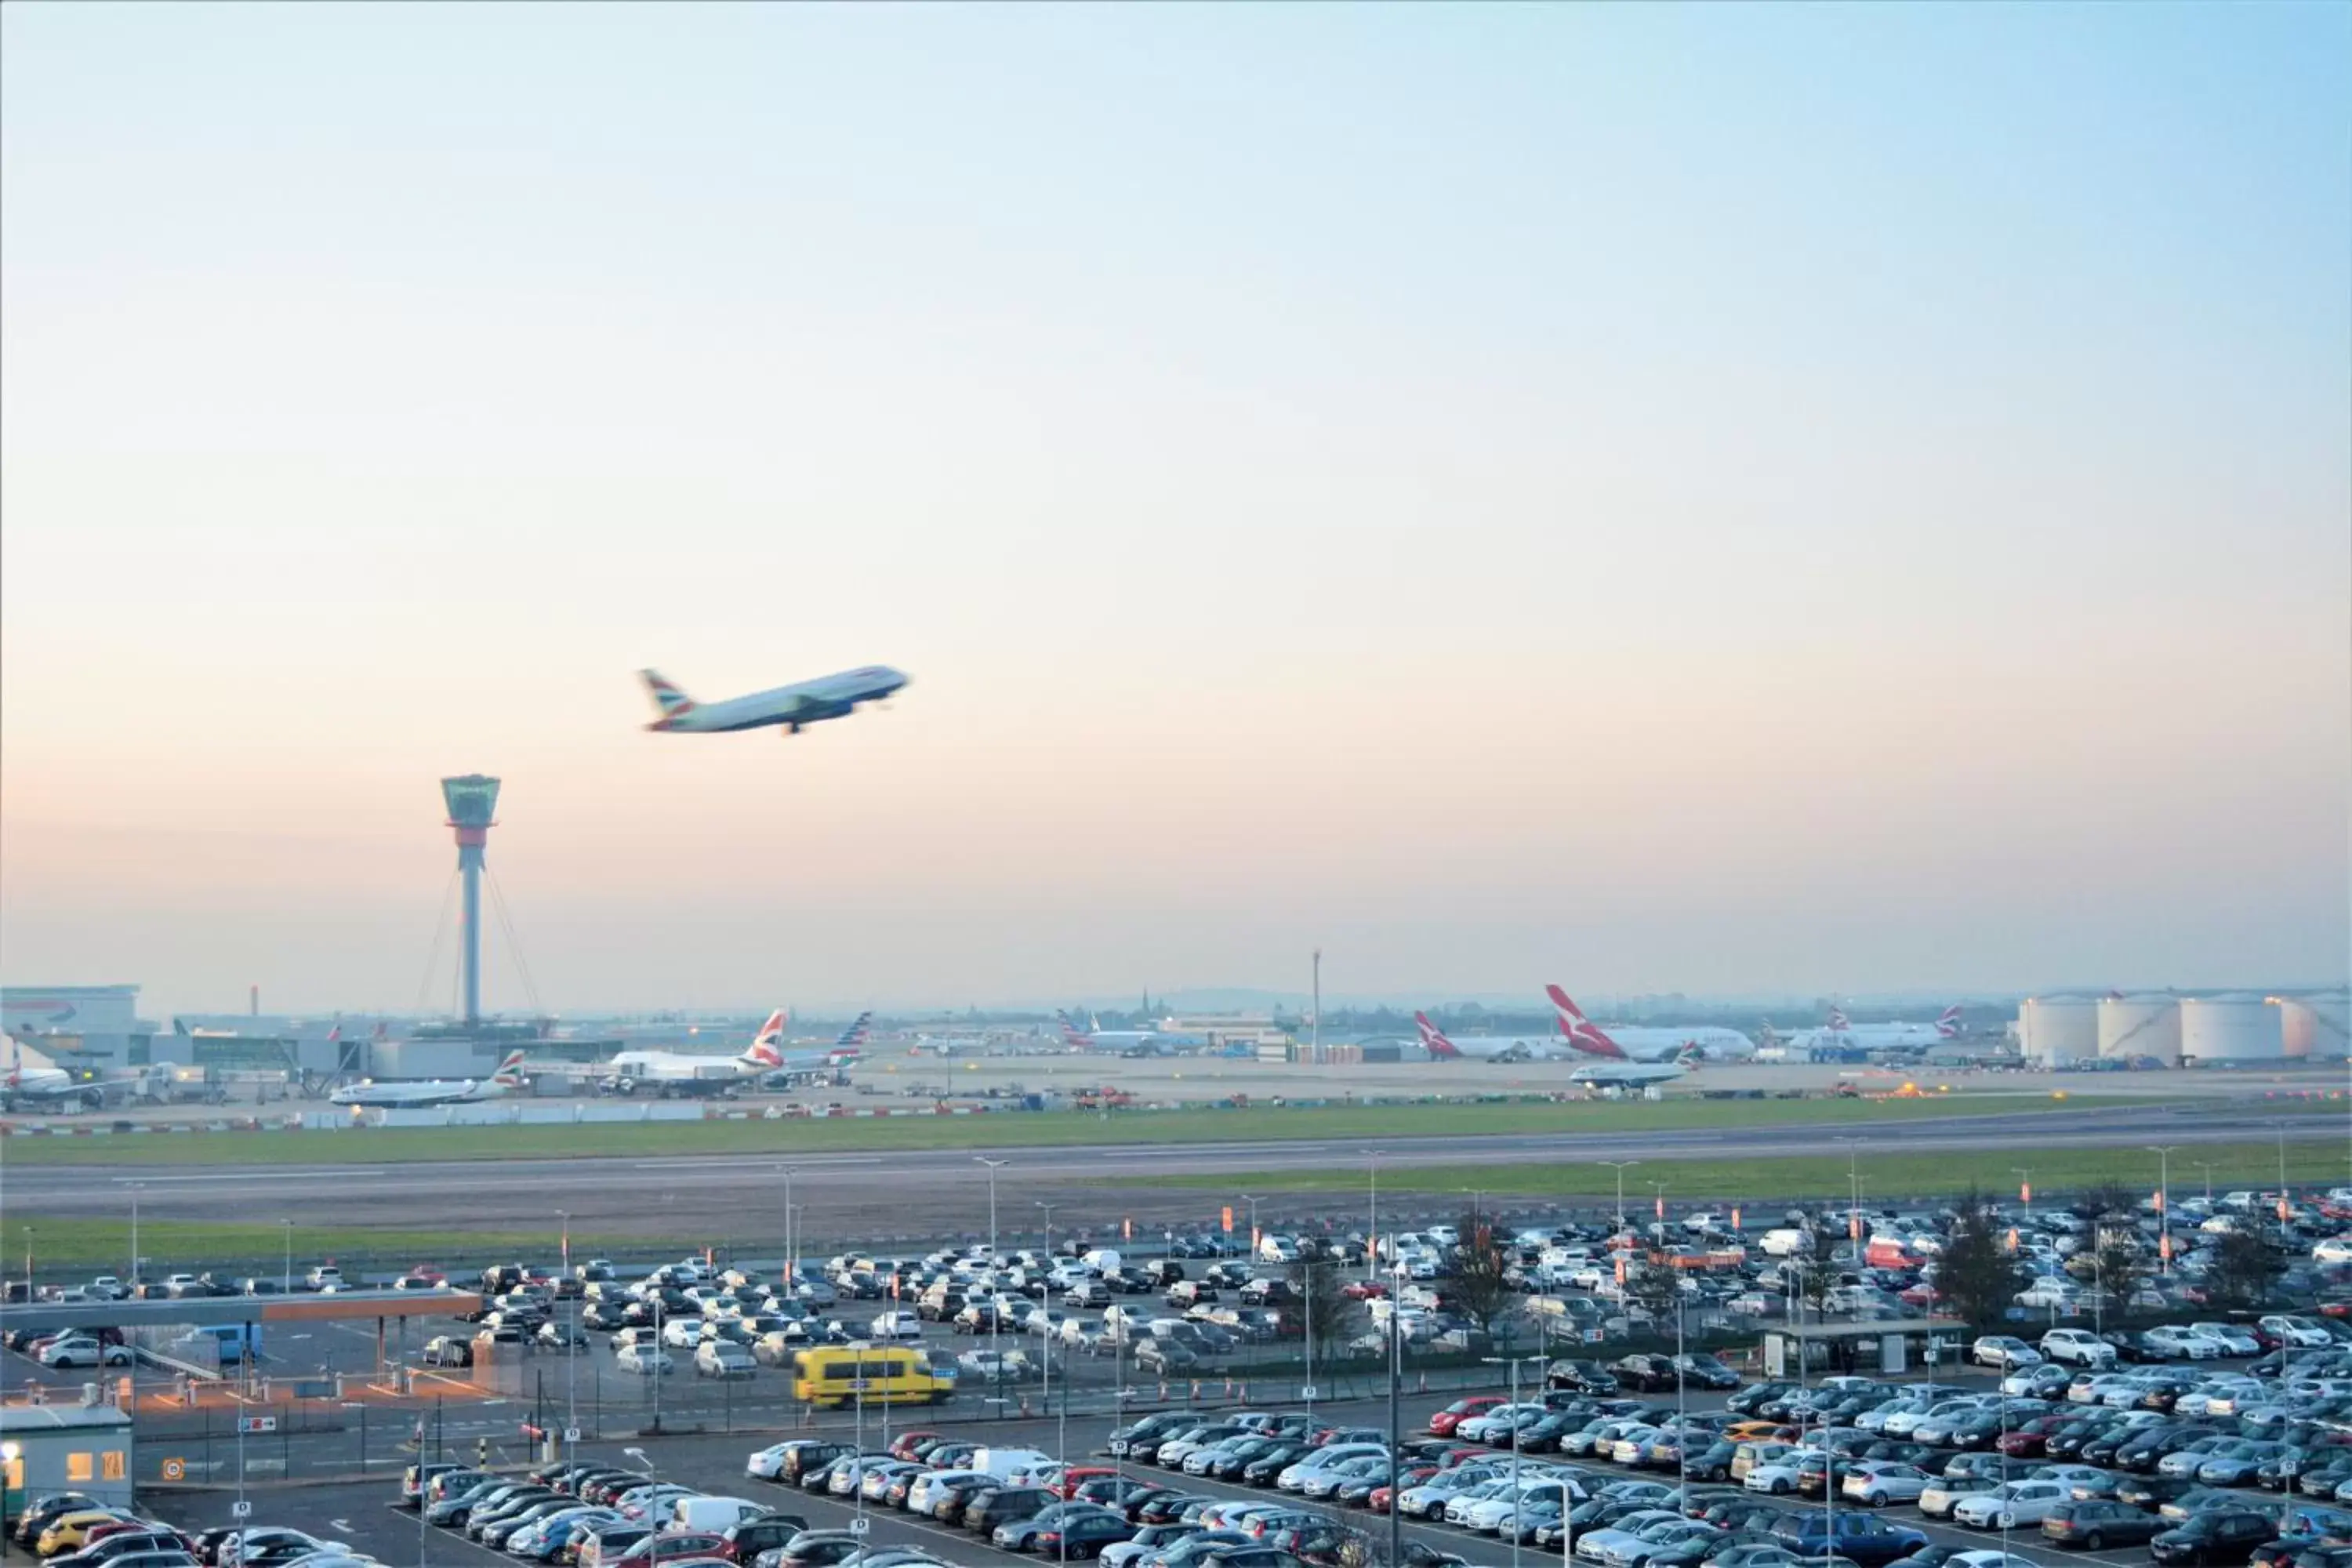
(79,1246)
(2055,1170)
(1044,1130)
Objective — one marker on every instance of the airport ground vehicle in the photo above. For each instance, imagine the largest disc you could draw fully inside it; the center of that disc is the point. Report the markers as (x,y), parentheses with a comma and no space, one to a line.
(831,1377)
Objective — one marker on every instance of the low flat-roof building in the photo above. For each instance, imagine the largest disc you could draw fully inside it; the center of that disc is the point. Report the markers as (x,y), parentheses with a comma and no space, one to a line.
(74,1448)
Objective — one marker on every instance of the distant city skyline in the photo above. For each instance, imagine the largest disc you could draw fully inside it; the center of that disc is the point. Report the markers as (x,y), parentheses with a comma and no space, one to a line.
(1739,500)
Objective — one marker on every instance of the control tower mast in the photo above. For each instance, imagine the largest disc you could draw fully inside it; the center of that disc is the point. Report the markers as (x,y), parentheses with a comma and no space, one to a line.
(471,799)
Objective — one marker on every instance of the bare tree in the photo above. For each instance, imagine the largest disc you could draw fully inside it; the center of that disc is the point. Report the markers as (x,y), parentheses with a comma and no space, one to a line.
(2244,1268)
(1478,1289)
(1977,1276)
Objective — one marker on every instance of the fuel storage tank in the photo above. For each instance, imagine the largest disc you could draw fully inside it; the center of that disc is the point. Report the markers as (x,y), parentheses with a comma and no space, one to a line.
(2313,1025)
(2055,1030)
(2143,1026)
(2231,1029)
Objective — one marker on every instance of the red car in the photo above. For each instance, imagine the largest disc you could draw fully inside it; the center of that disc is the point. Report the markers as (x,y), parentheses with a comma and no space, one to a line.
(904,1445)
(1077,1475)
(1442,1424)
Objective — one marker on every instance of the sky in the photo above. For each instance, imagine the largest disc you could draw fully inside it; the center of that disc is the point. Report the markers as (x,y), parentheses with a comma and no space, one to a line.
(1822,499)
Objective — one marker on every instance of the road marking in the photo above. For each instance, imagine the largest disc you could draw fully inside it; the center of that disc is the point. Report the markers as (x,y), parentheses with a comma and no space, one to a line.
(709,1165)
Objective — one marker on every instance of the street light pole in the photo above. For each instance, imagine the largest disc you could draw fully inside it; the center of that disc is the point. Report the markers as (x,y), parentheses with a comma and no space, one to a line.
(2024,1175)
(2163,1153)
(571,1354)
(286,1285)
(996,1272)
(1372,1234)
(1062,1440)
(1620,1167)
(134,1235)
(1253,1234)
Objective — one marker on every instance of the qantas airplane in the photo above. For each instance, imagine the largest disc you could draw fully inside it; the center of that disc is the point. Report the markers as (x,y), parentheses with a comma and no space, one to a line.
(1487,1047)
(792,708)
(1705,1042)
(420,1094)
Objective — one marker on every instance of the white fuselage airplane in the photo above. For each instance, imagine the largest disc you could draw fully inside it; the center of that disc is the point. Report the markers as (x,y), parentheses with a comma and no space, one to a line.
(630,1068)
(420,1094)
(1839,1034)
(1635,1043)
(1125,1042)
(1631,1075)
(22,1085)
(790,707)
(1485,1047)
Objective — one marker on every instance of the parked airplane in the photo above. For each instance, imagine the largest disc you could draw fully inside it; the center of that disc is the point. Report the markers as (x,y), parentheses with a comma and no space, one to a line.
(673,1072)
(1485,1047)
(46,1087)
(1841,1034)
(1125,1042)
(419,1093)
(850,1044)
(793,707)
(1635,1075)
(1642,1044)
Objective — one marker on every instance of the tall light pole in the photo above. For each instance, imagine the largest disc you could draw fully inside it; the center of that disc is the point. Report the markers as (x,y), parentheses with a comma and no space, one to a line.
(1372,1234)
(2024,1175)
(1620,1167)
(286,1285)
(134,1237)
(1853,1189)
(995,1271)
(791,1256)
(2163,1153)
(2206,1166)
(1253,1204)
(1517,1501)
(571,1344)
(1658,1186)
(1046,1386)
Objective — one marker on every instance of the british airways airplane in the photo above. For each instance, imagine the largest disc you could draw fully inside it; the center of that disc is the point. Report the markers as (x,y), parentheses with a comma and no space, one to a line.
(790,708)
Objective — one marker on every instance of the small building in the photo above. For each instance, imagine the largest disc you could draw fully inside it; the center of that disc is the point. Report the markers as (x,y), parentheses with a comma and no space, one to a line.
(65,1447)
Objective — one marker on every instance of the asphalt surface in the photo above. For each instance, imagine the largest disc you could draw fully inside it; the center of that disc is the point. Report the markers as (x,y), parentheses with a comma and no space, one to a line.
(885,1199)
(359,1514)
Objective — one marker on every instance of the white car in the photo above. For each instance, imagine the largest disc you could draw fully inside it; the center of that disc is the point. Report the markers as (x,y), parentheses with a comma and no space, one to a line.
(1881,1481)
(2233,1339)
(2011,1505)
(2297,1333)
(896,1326)
(2078,1347)
(646,1361)
(723,1358)
(2172,1339)
(2004,1352)
(2050,1291)
(83,1350)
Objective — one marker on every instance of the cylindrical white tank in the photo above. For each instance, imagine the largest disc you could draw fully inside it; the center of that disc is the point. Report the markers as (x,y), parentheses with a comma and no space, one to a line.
(2230,1029)
(2314,1026)
(2059,1030)
(2140,1027)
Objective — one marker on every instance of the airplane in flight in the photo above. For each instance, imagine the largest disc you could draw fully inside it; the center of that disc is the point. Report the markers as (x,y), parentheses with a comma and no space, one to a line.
(1709,1042)
(421,1093)
(790,708)
(52,1086)
(1125,1042)
(1485,1047)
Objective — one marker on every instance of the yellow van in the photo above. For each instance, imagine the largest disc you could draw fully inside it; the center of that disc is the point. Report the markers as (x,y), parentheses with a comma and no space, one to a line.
(830,1376)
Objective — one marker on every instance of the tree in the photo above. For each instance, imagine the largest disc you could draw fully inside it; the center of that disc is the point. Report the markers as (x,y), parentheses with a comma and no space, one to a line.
(1479,1262)
(2107,1204)
(2243,1267)
(1326,1308)
(1814,1268)
(2121,1267)
(1976,1277)
(1653,1286)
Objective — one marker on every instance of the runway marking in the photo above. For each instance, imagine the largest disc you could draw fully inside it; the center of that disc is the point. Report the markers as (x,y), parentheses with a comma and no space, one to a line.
(250,1176)
(709,1165)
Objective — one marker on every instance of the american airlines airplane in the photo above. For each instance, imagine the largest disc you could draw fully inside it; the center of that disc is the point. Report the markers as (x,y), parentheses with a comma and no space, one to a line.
(792,708)
(1839,1033)
(1640,1044)
(1487,1047)
(419,1093)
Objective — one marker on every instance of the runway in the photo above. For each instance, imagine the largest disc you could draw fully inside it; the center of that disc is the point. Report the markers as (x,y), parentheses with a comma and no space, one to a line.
(938,1193)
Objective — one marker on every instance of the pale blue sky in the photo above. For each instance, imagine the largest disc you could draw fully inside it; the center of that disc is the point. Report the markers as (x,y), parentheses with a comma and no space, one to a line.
(1833,497)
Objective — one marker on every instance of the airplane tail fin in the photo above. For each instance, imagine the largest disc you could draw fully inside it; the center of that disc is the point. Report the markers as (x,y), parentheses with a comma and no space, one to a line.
(1948,1022)
(673,703)
(1689,1057)
(1839,1022)
(510,1073)
(762,1051)
(1581,1033)
(855,1034)
(1072,1035)
(334,1033)
(1433,1040)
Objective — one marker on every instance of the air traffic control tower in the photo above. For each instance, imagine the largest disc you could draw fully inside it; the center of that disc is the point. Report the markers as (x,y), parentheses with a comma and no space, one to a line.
(471,799)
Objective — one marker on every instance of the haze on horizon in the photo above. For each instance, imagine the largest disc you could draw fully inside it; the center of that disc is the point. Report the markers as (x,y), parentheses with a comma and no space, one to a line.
(1703,499)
